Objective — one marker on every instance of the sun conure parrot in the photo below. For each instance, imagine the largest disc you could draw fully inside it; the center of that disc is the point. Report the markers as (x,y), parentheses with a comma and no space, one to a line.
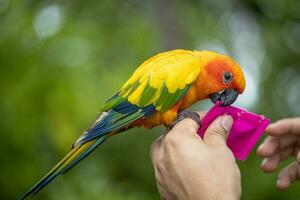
(158,90)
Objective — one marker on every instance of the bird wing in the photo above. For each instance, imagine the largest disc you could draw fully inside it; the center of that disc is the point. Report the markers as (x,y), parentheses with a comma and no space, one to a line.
(156,85)
(162,80)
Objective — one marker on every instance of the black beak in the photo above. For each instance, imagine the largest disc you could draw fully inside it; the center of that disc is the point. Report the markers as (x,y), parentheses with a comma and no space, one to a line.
(227,97)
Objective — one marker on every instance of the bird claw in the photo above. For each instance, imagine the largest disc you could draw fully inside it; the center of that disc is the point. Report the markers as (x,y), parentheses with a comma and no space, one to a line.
(186,114)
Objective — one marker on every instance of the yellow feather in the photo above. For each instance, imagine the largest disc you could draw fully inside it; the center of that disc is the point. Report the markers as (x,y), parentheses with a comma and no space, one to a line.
(190,78)
(175,69)
(135,96)
(156,83)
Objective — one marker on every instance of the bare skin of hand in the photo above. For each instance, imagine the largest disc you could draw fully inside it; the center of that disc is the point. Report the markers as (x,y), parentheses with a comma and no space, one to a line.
(188,167)
(283,141)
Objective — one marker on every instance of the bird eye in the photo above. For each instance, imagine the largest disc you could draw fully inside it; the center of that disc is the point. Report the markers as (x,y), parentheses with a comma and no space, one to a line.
(227,78)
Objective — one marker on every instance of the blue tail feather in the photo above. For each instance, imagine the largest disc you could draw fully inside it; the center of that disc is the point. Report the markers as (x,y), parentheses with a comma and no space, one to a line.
(109,122)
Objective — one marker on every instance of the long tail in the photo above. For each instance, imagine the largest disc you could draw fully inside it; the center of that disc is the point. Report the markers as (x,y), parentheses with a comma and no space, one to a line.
(70,160)
(118,118)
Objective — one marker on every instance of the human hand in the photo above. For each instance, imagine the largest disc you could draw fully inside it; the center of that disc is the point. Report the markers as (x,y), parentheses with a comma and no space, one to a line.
(283,141)
(187,167)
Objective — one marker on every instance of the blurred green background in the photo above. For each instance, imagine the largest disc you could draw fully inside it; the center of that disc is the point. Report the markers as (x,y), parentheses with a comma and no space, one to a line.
(60,61)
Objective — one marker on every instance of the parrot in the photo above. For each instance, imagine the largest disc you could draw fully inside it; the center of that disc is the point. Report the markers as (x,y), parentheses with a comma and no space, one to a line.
(157,92)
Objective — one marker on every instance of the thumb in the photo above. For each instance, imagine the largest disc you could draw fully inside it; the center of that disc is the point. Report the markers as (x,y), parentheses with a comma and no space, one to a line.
(218,131)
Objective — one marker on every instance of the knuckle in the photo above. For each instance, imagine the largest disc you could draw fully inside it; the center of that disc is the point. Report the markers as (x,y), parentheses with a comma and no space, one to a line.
(171,140)
(156,161)
(191,129)
(186,125)
(191,124)
(152,149)
(159,164)
(155,145)
(216,132)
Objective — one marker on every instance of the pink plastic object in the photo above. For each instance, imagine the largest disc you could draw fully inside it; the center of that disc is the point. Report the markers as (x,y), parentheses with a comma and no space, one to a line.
(246,130)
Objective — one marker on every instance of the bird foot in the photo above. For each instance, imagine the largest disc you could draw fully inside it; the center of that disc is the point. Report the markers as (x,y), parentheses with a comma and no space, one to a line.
(186,114)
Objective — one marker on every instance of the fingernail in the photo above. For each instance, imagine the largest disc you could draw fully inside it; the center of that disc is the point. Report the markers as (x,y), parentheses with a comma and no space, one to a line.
(264,161)
(260,147)
(298,157)
(226,122)
(278,182)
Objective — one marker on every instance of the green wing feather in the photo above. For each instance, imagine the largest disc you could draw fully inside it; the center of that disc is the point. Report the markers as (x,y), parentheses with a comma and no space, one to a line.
(156,85)
(162,80)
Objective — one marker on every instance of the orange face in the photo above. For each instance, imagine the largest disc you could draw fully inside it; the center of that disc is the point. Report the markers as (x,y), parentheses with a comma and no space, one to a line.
(221,78)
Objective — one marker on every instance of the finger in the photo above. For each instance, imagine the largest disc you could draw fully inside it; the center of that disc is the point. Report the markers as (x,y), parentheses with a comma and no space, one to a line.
(195,125)
(183,130)
(268,147)
(288,141)
(298,155)
(200,115)
(288,175)
(186,126)
(155,146)
(270,164)
(274,144)
(285,126)
(217,132)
